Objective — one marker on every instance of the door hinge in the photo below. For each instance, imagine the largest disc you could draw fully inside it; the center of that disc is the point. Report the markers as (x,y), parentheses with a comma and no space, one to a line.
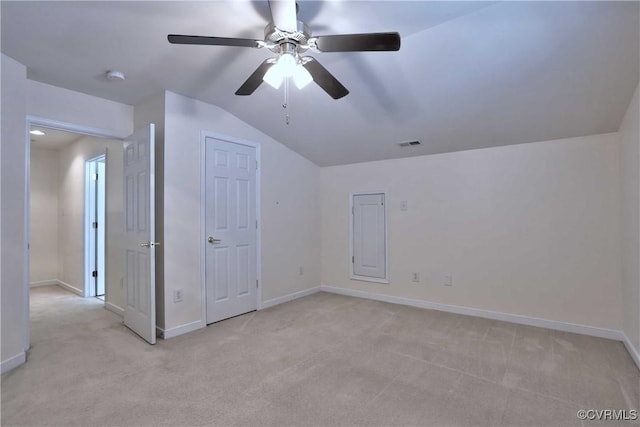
(353,211)
(95,176)
(94,273)
(353,260)
(256,223)
(256,165)
(256,283)
(94,224)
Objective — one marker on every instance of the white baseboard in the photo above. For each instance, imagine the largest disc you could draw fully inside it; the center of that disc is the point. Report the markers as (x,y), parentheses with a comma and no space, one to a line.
(13,362)
(495,315)
(69,288)
(634,352)
(189,327)
(289,297)
(43,283)
(114,309)
(180,330)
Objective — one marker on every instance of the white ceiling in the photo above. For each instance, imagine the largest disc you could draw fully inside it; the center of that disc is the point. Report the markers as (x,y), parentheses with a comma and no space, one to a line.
(53,139)
(468,74)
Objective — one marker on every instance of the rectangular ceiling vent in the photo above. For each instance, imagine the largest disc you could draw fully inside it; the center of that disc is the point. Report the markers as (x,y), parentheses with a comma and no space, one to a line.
(408,144)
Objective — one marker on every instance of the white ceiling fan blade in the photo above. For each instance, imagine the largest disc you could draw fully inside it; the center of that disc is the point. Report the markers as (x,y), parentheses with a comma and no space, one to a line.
(283,14)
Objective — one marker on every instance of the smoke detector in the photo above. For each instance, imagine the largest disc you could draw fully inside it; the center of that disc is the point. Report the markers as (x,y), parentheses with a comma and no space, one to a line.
(115,76)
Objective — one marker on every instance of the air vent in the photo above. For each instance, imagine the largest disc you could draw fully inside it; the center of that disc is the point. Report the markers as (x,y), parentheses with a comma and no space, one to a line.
(407,144)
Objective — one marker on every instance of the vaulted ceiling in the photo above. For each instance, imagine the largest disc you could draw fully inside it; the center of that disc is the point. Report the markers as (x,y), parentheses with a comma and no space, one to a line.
(468,74)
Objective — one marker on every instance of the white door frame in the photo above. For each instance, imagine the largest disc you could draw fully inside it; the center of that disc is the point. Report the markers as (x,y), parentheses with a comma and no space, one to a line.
(89,248)
(59,125)
(203,137)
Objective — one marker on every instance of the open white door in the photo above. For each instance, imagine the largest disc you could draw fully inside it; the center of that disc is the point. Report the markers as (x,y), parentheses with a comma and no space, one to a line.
(139,222)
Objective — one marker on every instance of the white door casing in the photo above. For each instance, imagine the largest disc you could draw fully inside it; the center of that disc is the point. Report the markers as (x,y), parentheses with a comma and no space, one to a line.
(61,125)
(369,245)
(91,233)
(139,235)
(230,226)
(95,225)
(102,228)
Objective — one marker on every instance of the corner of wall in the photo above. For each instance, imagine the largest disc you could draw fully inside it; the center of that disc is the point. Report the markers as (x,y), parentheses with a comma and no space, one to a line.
(629,133)
(14,294)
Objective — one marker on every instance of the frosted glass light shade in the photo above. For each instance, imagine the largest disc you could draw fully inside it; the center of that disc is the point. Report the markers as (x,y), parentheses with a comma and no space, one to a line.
(301,77)
(287,66)
(273,76)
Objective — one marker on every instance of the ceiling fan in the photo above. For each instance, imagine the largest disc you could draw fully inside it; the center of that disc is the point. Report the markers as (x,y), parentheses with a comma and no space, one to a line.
(289,38)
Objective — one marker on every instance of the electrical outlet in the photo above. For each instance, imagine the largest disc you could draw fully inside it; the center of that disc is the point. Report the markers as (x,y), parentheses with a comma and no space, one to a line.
(177,295)
(300,271)
(415,277)
(448,280)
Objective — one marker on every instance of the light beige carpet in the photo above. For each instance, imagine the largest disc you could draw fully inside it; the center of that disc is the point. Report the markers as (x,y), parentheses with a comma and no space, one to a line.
(321,360)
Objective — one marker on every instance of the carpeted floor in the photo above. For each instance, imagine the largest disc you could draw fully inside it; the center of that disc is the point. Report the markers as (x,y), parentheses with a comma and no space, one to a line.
(319,360)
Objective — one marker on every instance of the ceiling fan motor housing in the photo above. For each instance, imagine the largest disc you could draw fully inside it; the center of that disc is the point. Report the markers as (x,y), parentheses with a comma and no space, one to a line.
(299,38)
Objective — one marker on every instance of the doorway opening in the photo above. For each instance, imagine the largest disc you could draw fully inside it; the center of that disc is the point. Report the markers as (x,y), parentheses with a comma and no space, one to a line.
(94,225)
(56,231)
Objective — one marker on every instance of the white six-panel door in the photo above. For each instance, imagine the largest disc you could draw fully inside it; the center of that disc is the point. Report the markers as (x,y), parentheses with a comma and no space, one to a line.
(230,229)
(139,223)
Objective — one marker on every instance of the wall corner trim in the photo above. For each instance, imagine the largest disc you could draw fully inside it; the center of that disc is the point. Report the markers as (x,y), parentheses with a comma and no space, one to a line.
(180,330)
(289,297)
(69,288)
(634,352)
(487,314)
(114,309)
(13,362)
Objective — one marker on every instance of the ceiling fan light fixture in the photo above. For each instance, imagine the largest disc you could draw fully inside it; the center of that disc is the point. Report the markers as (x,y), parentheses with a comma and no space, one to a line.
(273,77)
(287,66)
(301,77)
(284,67)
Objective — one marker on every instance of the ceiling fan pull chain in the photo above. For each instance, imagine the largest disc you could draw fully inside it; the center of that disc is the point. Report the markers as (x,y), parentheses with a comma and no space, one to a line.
(286,101)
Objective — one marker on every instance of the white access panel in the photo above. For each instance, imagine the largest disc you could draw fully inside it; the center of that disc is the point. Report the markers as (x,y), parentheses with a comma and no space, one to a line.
(369,254)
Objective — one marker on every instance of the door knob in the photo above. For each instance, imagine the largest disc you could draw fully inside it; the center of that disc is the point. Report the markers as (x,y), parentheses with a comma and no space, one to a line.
(212,240)
(149,244)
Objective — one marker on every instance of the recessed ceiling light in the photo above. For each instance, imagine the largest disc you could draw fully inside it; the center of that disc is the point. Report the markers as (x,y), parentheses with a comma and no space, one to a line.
(37,132)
